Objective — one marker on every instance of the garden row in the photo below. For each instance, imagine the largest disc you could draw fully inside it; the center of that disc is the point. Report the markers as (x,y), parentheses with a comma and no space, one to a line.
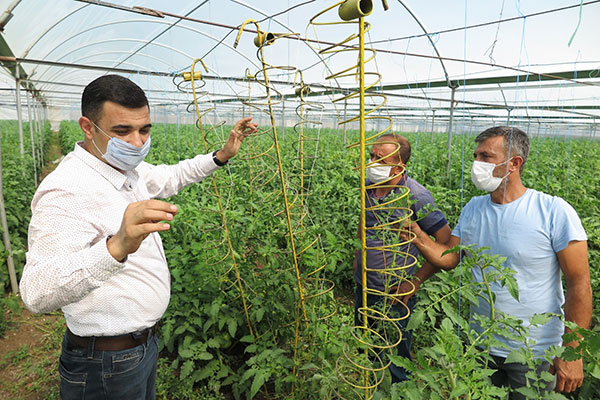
(235,322)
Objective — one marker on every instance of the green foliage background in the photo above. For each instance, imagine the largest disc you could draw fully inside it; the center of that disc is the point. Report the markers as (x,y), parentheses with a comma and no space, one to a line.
(205,337)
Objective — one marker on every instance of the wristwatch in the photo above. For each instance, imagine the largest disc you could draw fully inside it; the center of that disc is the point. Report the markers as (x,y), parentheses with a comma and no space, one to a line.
(217,161)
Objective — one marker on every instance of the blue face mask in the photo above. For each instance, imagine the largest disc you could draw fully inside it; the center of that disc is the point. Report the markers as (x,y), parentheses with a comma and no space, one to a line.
(123,155)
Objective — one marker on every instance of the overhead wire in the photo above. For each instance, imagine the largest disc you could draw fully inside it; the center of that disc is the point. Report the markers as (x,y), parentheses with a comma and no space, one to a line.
(460,28)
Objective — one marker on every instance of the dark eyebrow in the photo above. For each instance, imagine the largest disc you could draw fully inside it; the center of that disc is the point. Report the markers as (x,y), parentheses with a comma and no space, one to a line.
(129,127)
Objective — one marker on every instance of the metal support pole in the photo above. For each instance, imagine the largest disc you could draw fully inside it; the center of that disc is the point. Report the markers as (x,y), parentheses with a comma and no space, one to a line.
(471,127)
(32,139)
(432,125)
(5,233)
(453,87)
(345,112)
(19,111)
(509,109)
(38,130)
(42,127)
(283,120)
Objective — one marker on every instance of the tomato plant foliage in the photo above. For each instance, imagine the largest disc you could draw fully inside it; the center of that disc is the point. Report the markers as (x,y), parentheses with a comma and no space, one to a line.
(206,336)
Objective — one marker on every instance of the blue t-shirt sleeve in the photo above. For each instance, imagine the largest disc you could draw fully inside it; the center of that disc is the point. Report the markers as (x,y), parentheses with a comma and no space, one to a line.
(434,218)
(565,225)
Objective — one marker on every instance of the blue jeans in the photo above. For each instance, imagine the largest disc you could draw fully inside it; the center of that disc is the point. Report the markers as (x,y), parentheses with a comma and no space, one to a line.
(125,374)
(513,375)
(399,374)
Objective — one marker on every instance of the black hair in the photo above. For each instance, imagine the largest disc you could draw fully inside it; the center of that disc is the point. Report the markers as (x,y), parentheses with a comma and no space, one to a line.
(113,88)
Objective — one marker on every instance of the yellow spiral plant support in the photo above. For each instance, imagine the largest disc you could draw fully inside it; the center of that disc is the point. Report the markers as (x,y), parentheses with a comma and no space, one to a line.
(293,190)
(193,77)
(379,333)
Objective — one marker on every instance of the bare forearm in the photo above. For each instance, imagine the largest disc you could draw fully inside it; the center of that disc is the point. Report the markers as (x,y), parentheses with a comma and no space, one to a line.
(575,267)
(426,271)
(578,303)
(432,251)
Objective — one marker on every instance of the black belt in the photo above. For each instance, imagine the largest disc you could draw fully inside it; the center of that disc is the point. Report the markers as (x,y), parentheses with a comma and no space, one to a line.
(112,343)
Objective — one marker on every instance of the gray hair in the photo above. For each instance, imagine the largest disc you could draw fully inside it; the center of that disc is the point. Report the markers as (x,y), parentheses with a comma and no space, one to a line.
(515,140)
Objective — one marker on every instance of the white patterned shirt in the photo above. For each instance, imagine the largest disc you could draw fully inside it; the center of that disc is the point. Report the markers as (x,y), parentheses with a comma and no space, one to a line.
(68,266)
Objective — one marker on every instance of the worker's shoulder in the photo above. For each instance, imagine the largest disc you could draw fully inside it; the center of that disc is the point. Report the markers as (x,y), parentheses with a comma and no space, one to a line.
(71,178)
(416,188)
(547,201)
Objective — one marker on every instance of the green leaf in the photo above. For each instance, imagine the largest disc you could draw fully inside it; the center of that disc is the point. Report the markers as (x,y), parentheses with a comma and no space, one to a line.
(204,355)
(416,319)
(450,311)
(259,314)
(186,353)
(402,362)
(460,389)
(207,371)
(528,392)
(186,368)
(541,319)
(510,283)
(248,374)
(259,380)
(247,339)
(595,372)
(447,325)
(546,376)
(180,329)
(232,326)
(166,333)
(516,356)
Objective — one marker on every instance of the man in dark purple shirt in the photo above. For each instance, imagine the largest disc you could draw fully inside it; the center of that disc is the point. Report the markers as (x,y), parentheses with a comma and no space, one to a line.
(386,178)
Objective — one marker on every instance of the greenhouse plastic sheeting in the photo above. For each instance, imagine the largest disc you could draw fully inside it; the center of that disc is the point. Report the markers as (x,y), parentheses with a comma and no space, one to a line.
(502,48)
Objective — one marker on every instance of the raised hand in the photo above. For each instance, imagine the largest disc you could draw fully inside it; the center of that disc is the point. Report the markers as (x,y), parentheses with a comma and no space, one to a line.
(139,220)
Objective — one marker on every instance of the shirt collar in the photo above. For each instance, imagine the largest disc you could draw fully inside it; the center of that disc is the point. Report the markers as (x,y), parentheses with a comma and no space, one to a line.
(117,179)
(402,182)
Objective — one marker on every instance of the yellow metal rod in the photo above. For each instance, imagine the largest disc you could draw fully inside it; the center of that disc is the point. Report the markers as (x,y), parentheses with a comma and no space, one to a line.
(363,224)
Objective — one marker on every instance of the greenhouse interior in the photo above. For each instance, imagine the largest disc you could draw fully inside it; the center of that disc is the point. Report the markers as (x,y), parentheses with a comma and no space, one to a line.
(266,278)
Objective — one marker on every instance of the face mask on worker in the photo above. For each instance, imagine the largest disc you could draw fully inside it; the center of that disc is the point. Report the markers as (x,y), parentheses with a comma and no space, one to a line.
(378,173)
(123,155)
(482,175)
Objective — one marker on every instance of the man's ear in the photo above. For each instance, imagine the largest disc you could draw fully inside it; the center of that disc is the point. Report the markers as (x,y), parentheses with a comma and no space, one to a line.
(398,169)
(515,163)
(86,126)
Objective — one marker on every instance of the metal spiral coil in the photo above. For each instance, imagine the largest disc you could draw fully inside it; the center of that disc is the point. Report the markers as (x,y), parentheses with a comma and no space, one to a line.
(293,187)
(218,231)
(379,333)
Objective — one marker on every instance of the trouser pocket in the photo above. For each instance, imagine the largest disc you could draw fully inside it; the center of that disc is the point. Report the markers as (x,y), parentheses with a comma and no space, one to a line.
(72,384)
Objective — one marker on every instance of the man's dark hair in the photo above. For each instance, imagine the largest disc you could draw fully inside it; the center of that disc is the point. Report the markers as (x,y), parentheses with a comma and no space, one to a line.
(404,150)
(114,88)
(516,142)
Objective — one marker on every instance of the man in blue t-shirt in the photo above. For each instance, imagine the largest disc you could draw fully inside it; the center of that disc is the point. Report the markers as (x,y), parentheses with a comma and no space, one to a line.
(391,269)
(540,236)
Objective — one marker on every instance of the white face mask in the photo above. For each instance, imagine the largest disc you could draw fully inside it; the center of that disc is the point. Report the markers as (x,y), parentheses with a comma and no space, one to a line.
(123,155)
(378,173)
(482,175)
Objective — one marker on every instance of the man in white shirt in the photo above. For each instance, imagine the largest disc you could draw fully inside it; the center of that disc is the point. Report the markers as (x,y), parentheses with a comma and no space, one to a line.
(94,247)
